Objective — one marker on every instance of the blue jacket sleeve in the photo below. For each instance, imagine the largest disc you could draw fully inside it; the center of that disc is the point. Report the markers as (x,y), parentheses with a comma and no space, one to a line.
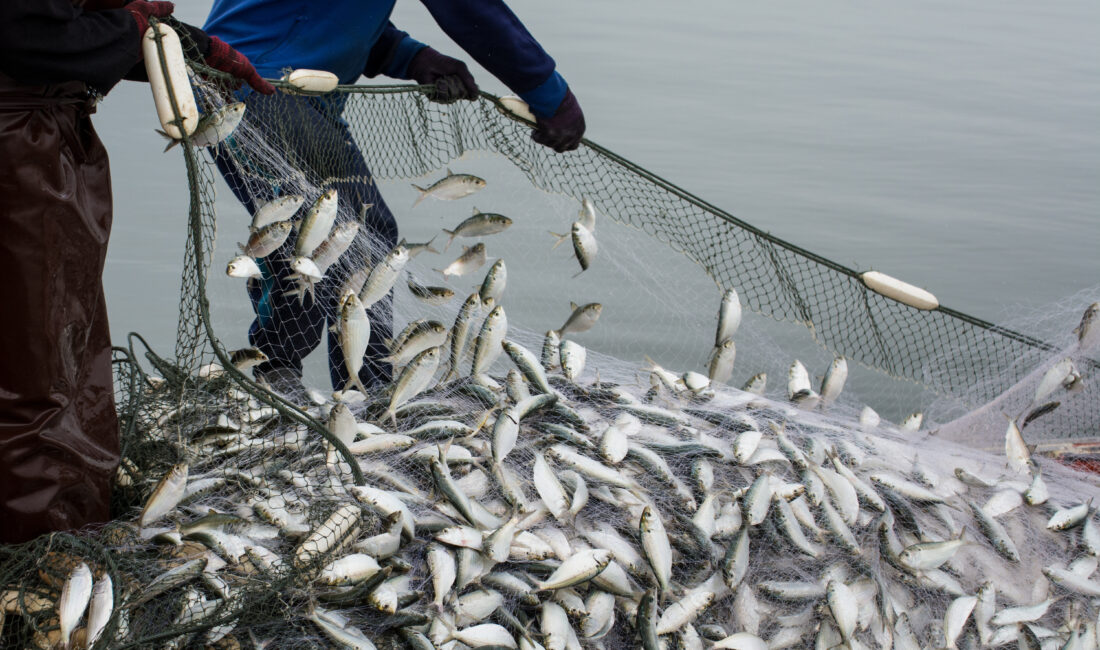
(495,38)
(391,53)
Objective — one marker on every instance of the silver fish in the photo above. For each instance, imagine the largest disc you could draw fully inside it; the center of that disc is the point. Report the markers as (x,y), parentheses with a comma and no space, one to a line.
(430,295)
(528,364)
(213,127)
(416,249)
(551,354)
(756,384)
(798,382)
(74,599)
(266,240)
(572,357)
(383,276)
(275,210)
(729,316)
(655,543)
(489,340)
(243,266)
(339,240)
(460,332)
(165,496)
(587,215)
(100,608)
(472,258)
(479,225)
(450,187)
(317,224)
(1088,332)
(420,336)
(1016,450)
(582,319)
(492,287)
(414,379)
(354,336)
(833,382)
(585,246)
(720,368)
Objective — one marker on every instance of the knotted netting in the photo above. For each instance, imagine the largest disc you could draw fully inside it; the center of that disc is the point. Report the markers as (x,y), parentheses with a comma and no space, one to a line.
(582,499)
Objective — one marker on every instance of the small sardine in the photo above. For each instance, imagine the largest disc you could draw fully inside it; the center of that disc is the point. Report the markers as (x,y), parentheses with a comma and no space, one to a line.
(472,258)
(450,187)
(317,224)
(480,224)
(243,266)
(383,276)
(276,210)
(74,599)
(266,240)
(582,319)
(354,336)
(729,316)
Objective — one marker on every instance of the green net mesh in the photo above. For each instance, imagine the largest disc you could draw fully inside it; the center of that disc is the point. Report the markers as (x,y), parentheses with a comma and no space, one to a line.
(264,542)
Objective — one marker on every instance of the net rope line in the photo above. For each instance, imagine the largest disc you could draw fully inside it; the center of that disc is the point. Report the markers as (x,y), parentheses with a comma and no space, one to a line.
(802,311)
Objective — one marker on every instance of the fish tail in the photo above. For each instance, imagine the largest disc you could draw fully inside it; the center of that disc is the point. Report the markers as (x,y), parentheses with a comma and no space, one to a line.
(423,194)
(561,238)
(449,239)
(171,141)
(428,246)
(579,272)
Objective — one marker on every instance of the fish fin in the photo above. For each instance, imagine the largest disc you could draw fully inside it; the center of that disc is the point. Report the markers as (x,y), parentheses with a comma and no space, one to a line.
(573,306)
(579,272)
(476,211)
(449,172)
(242,248)
(449,240)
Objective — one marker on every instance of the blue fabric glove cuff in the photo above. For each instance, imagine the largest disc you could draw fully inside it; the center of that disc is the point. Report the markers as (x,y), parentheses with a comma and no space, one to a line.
(545,98)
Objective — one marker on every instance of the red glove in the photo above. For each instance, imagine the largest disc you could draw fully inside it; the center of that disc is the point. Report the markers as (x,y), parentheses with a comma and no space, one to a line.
(223,57)
(142,11)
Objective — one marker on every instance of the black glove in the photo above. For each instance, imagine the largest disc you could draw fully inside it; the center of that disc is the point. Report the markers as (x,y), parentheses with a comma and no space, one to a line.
(564,129)
(451,77)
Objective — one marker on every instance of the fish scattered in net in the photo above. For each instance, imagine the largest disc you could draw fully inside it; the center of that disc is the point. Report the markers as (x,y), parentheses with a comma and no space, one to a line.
(595,504)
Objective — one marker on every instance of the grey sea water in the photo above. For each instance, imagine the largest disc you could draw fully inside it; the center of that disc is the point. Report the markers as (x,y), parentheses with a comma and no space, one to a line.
(953,146)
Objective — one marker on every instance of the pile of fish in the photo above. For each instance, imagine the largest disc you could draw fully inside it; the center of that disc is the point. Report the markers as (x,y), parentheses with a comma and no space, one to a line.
(510,500)
(540,510)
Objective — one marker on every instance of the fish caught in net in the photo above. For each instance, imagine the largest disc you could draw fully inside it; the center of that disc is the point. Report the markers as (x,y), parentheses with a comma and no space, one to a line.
(496,473)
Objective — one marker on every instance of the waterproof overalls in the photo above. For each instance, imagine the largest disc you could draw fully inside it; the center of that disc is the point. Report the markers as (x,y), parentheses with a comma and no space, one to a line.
(59,437)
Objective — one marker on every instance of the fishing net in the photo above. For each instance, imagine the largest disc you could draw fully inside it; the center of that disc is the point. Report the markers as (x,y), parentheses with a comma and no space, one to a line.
(462,504)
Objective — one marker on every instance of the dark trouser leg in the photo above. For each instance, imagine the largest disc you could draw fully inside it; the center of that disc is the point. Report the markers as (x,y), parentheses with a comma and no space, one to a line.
(59,433)
(310,135)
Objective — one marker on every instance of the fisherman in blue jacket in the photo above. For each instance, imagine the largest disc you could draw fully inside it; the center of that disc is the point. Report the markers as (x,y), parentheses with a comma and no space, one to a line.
(351,38)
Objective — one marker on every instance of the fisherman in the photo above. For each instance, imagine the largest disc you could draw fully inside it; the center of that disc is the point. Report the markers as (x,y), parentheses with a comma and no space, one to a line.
(59,435)
(351,38)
